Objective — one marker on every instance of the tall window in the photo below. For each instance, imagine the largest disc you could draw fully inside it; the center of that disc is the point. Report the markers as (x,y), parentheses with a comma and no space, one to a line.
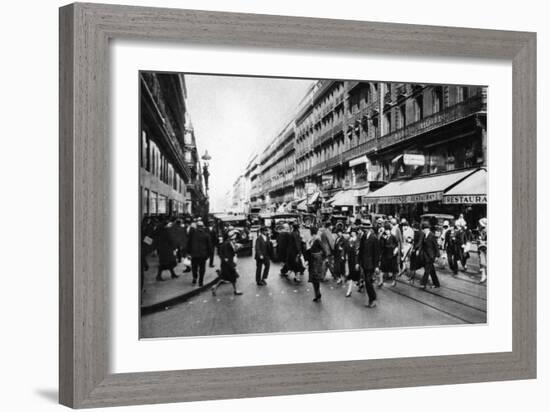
(387,122)
(437,102)
(402,116)
(418,107)
(462,94)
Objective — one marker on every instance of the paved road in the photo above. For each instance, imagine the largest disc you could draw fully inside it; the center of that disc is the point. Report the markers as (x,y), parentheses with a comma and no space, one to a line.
(284,306)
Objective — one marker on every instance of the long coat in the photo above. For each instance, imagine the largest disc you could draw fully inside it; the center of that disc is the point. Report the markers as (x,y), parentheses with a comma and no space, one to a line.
(417,259)
(340,256)
(389,251)
(283,240)
(352,250)
(263,248)
(199,244)
(165,248)
(293,253)
(327,241)
(430,248)
(315,256)
(369,252)
(228,267)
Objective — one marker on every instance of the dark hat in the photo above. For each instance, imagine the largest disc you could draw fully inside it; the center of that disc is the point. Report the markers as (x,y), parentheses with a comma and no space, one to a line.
(263,229)
(387,226)
(425,225)
(366,224)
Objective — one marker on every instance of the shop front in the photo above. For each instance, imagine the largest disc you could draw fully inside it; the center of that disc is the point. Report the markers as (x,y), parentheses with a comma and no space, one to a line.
(458,192)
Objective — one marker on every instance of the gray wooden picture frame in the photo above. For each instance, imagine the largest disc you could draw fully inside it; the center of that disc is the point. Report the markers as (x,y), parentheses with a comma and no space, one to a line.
(85,31)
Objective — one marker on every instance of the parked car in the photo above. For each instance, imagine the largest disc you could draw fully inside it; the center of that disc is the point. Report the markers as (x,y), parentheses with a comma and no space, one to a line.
(241,224)
(435,220)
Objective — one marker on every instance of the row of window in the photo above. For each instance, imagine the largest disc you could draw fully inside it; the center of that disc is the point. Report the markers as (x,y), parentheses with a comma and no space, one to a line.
(154,203)
(154,161)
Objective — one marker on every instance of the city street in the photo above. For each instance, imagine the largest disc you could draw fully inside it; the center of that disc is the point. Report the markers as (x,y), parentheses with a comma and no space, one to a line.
(285,306)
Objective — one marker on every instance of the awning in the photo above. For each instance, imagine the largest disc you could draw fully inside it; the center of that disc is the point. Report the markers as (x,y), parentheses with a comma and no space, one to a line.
(302,206)
(421,189)
(472,190)
(345,198)
(312,198)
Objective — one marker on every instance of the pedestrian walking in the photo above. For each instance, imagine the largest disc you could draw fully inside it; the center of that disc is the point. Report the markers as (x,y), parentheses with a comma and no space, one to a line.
(213,233)
(327,241)
(430,252)
(465,239)
(315,253)
(179,237)
(283,240)
(339,254)
(482,249)
(406,252)
(354,272)
(369,260)
(398,235)
(166,252)
(199,248)
(389,253)
(263,254)
(452,248)
(417,260)
(228,267)
(294,253)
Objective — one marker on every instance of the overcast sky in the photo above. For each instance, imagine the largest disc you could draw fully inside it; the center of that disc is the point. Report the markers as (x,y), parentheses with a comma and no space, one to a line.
(235,117)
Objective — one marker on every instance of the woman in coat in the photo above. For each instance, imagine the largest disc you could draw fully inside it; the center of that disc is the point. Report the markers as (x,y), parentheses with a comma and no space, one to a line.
(315,256)
(339,253)
(352,248)
(389,251)
(294,253)
(228,273)
(166,251)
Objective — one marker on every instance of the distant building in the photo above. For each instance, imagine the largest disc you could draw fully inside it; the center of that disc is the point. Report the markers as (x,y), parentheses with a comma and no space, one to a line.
(350,141)
(170,171)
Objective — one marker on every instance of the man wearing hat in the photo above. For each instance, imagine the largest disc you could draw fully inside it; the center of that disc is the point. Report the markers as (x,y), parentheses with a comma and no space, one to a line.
(369,260)
(430,251)
(199,247)
(263,253)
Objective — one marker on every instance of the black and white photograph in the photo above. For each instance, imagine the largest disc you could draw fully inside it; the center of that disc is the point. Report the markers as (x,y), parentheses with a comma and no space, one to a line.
(287,205)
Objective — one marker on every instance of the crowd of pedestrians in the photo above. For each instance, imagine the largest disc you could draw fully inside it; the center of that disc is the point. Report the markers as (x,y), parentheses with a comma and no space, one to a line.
(366,254)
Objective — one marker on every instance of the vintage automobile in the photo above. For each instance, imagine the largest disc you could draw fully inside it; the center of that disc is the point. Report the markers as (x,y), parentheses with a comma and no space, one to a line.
(239,223)
(307,220)
(435,220)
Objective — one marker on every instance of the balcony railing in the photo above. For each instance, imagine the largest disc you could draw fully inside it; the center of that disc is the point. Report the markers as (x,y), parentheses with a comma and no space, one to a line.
(443,117)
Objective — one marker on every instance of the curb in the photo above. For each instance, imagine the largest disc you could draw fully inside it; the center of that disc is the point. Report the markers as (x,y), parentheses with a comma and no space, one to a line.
(165,304)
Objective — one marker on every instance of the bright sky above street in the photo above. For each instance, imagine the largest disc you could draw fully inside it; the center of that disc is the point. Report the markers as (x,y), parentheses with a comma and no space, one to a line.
(235,117)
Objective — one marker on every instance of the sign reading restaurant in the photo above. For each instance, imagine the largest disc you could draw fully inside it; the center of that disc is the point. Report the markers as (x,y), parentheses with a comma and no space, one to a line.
(465,199)
(416,198)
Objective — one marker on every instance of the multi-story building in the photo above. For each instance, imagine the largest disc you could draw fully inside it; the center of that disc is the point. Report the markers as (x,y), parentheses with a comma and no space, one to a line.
(353,145)
(170,171)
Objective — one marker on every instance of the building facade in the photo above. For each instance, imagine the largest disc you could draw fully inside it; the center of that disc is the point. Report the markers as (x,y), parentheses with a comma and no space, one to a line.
(170,171)
(349,140)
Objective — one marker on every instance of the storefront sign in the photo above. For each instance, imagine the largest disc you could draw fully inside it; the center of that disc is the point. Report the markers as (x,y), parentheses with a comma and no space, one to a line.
(465,199)
(414,159)
(395,200)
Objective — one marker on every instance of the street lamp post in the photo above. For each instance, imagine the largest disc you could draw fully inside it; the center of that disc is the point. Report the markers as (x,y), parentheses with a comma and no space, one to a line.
(206,174)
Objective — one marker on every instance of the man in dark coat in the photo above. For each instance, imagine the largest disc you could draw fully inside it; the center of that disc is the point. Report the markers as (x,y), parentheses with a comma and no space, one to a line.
(430,251)
(294,253)
(213,241)
(166,251)
(179,237)
(199,247)
(369,260)
(263,253)
(452,247)
(283,238)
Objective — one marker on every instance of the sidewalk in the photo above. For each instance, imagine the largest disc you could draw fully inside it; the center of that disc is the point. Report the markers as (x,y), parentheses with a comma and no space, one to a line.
(160,295)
